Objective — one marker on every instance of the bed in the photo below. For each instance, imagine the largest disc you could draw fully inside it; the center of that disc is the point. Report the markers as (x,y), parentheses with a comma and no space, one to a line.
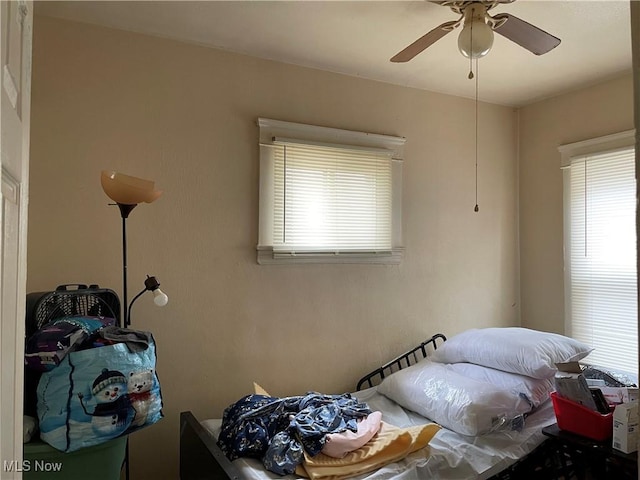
(502,455)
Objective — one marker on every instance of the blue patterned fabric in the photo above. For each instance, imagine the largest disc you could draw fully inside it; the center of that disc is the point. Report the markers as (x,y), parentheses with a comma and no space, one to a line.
(279,430)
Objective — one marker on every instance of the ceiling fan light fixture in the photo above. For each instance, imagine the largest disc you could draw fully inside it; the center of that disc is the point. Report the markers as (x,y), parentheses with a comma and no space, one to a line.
(476,39)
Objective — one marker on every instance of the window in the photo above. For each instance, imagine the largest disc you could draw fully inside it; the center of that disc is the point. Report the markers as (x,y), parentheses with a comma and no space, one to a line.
(328,195)
(600,249)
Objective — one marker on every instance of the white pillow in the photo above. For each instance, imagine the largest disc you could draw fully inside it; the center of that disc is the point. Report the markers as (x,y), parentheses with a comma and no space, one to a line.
(462,404)
(536,390)
(512,349)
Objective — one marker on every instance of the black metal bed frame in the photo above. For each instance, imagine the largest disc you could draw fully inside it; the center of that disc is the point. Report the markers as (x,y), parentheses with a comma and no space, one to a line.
(200,456)
(403,361)
(202,459)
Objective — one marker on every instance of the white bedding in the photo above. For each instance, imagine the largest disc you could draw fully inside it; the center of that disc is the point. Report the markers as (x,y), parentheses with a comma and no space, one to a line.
(452,456)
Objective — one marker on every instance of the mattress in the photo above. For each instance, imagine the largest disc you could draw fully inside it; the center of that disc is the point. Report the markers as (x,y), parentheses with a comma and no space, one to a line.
(451,456)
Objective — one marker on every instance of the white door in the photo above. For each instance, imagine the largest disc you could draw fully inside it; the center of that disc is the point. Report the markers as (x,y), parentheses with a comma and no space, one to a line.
(16,21)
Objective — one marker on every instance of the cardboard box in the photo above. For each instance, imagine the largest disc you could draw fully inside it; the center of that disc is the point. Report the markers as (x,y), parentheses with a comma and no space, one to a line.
(617,395)
(625,427)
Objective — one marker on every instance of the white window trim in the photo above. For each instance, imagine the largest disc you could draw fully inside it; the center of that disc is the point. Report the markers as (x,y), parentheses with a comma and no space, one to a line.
(595,145)
(568,152)
(273,130)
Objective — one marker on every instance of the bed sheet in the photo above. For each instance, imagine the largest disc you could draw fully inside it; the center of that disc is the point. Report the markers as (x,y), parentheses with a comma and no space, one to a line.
(451,456)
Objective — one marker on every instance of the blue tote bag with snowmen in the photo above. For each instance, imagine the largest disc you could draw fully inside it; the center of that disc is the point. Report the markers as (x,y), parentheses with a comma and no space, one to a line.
(99,393)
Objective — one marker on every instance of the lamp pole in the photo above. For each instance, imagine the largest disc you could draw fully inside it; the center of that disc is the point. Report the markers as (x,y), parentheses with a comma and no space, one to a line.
(125,210)
(127,192)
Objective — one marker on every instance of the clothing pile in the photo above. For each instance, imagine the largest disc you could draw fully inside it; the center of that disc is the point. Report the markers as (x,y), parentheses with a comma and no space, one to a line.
(316,436)
(280,430)
(47,347)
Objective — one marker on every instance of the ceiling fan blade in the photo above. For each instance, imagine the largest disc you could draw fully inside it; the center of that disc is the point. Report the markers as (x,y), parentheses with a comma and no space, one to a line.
(524,34)
(425,41)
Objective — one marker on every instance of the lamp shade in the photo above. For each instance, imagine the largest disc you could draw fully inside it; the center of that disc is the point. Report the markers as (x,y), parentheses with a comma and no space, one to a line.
(128,190)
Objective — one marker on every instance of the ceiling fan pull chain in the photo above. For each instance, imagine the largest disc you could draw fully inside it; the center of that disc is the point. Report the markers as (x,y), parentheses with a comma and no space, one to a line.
(476,208)
(471,57)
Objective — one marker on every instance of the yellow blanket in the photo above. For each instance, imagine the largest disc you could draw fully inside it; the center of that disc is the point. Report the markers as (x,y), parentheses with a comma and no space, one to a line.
(389,445)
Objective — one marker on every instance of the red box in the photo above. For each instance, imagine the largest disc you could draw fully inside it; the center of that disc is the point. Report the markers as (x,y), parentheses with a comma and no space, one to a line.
(580,420)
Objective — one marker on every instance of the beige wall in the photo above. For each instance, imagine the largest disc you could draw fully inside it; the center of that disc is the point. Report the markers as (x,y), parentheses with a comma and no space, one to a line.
(593,112)
(186,116)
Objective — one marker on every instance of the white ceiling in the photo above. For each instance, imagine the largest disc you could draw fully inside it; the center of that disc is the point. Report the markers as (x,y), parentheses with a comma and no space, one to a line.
(358,38)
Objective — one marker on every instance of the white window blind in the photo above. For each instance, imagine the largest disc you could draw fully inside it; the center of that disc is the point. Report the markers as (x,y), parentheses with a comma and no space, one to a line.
(331,199)
(329,195)
(601,254)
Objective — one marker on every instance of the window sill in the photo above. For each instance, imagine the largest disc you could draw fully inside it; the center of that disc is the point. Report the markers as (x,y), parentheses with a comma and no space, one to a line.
(267,256)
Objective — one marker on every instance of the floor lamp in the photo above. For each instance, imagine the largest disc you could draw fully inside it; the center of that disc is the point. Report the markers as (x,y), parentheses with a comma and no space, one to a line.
(128,192)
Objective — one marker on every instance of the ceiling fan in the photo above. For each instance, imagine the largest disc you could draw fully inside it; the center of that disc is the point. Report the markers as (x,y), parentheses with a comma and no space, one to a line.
(476,37)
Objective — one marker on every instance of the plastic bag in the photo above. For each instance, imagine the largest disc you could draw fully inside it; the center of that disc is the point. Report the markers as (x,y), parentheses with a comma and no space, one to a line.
(97,394)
